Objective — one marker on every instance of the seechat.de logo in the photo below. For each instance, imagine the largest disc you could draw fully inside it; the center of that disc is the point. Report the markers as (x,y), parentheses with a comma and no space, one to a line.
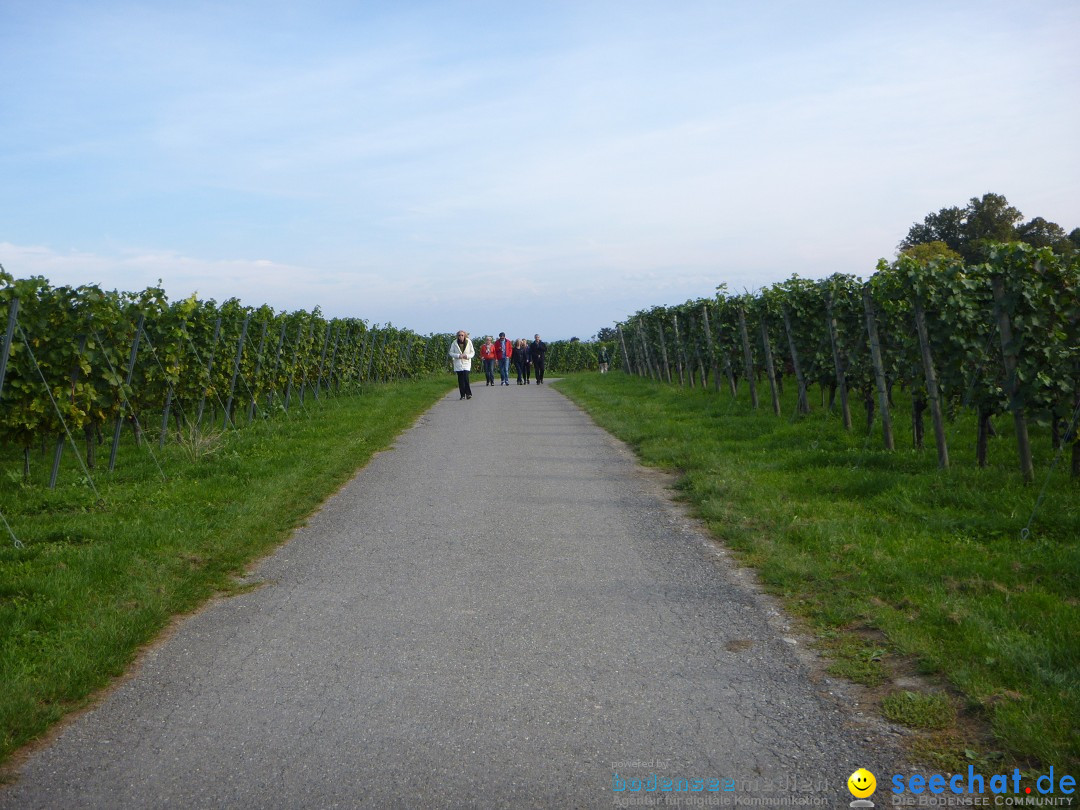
(861,784)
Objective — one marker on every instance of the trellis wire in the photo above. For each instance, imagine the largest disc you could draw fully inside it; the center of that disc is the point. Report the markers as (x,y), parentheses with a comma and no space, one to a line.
(195,351)
(288,398)
(236,371)
(48,390)
(164,374)
(126,402)
(18,542)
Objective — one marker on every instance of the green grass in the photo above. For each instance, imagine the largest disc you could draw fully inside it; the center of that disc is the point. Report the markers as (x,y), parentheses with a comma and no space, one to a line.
(931,710)
(888,559)
(93,581)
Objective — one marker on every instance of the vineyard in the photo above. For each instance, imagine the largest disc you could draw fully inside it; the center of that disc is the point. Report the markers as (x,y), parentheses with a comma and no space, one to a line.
(83,362)
(87,373)
(999,338)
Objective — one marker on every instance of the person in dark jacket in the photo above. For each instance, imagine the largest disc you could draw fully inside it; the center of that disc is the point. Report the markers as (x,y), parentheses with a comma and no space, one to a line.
(538,353)
(521,361)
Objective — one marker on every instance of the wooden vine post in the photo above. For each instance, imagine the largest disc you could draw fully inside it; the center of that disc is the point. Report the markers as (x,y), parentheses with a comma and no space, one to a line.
(729,371)
(272,394)
(304,364)
(770,368)
(804,401)
(932,392)
(322,361)
(258,368)
(703,374)
(645,351)
(369,354)
(879,369)
(748,358)
(1008,349)
(622,343)
(841,377)
(360,357)
(332,374)
(663,352)
(377,345)
(165,414)
(292,365)
(709,343)
(13,315)
(209,370)
(680,358)
(354,361)
(123,396)
(59,449)
(652,367)
(236,371)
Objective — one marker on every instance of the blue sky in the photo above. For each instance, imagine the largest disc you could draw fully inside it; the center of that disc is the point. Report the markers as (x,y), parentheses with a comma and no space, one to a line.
(523,167)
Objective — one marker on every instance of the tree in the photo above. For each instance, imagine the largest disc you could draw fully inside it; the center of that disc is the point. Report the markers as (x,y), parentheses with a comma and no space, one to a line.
(926,252)
(606,333)
(946,226)
(968,230)
(989,220)
(1040,233)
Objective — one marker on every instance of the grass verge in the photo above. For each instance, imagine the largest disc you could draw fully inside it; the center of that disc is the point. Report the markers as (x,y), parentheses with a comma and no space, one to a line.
(892,563)
(93,581)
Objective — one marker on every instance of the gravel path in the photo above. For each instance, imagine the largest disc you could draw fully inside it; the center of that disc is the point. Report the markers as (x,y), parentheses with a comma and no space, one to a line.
(504,610)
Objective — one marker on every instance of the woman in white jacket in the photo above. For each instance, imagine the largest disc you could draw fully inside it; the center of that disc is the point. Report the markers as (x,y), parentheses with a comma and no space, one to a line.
(461,352)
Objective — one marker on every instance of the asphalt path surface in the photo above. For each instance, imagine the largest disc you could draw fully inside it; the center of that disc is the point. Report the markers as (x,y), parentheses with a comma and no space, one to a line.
(503,610)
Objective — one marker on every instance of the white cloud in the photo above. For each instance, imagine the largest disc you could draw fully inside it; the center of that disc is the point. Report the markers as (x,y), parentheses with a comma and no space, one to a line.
(531,293)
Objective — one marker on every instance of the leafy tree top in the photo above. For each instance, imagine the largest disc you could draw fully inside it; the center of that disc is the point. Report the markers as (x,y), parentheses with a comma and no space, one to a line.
(969,231)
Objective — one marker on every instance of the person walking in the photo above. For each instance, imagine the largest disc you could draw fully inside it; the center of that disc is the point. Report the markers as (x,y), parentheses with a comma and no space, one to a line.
(503,349)
(521,361)
(538,354)
(461,352)
(487,356)
(603,359)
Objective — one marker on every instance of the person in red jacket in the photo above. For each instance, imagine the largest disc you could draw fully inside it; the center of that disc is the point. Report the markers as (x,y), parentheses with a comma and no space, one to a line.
(487,354)
(503,349)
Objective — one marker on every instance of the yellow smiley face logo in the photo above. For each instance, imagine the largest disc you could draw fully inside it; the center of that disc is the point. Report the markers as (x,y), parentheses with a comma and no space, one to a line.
(861,783)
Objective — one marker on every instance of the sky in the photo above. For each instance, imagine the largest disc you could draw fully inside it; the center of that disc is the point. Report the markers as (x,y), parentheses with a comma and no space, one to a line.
(548,167)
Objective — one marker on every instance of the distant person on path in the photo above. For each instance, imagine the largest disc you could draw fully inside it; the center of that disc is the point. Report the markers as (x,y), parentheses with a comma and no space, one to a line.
(603,360)
(538,353)
(487,355)
(521,361)
(461,352)
(503,348)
